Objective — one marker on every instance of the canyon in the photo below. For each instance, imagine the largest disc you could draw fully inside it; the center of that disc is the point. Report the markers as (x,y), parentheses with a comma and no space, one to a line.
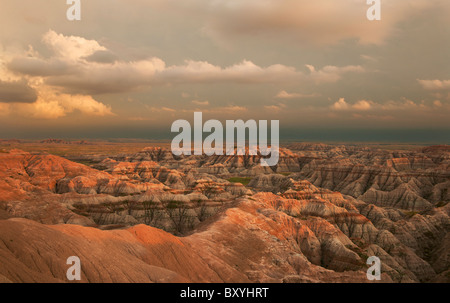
(151,216)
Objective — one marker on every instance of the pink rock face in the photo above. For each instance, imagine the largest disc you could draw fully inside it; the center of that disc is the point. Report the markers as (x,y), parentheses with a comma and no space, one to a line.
(152,217)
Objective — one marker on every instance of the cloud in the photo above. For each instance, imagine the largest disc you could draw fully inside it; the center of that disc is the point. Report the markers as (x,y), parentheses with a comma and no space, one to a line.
(41,109)
(403,105)
(319,22)
(340,105)
(243,72)
(230,109)
(437,103)
(85,104)
(275,107)
(53,105)
(81,66)
(285,95)
(397,112)
(102,56)
(368,58)
(332,73)
(435,84)
(17,91)
(200,103)
(71,47)
(246,72)
(160,109)
(362,105)
(38,67)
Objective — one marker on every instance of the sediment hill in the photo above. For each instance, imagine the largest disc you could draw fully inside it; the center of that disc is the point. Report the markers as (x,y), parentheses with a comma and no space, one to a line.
(153,217)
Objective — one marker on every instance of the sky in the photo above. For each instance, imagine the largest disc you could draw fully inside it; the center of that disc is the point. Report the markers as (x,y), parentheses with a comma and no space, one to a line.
(130,68)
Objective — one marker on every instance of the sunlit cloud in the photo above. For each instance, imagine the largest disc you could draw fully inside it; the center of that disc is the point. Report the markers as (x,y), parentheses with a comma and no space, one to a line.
(229,58)
(200,103)
(340,105)
(363,105)
(435,84)
(401,105)
(53,105)
(230,109)
(161,109)
(332,73)
(285,95)
(71,71)
(275,107)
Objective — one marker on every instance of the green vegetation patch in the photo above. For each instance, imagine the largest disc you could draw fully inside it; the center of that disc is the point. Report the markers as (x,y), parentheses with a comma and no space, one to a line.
(411,214)
(286,173)
(243,181)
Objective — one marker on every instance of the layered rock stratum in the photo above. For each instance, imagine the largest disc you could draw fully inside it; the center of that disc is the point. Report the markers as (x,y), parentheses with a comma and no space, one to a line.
(152,217)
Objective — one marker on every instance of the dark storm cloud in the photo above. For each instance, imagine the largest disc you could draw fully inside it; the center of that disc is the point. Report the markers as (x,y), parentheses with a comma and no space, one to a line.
(38,67)
(17,92)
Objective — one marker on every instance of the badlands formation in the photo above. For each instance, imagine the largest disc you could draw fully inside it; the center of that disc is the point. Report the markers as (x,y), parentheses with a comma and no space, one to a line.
(152,217)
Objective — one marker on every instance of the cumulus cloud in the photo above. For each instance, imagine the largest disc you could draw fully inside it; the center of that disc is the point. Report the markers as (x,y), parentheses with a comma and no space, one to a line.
(285,95)
(81,66)
(41,109)
(435,84)
(363,105)
(340,105)
(53,105)
(437,103)
(71,47)
(248,72)
(402,105)
(243,72)
(332,73)
(85,104)
(200,103)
